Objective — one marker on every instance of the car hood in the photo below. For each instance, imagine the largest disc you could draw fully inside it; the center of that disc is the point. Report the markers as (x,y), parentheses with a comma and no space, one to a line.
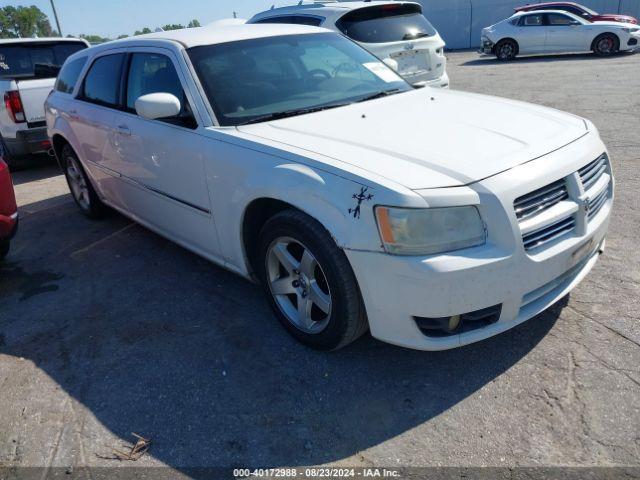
(428,138)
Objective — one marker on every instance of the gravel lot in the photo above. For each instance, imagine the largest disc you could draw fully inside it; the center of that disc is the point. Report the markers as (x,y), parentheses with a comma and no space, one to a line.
(108,329)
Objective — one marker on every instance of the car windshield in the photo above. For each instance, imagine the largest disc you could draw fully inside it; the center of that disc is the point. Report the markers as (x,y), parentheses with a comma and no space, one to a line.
(268,78)
(386,23)
(19,60)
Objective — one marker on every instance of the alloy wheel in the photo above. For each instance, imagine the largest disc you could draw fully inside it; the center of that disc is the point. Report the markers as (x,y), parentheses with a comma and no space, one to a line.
(77,183)
(298,285)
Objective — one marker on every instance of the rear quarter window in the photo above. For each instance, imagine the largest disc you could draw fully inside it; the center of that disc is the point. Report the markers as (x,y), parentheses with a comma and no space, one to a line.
(69,75)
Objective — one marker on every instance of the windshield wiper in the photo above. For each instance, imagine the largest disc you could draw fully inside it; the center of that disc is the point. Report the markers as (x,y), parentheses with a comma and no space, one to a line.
(291,113)
(384,93)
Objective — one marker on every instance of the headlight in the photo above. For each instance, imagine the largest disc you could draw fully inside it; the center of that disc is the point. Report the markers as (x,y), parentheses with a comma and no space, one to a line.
(411,231)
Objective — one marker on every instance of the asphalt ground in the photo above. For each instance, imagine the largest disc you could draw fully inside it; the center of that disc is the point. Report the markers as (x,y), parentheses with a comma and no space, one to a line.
(108,329)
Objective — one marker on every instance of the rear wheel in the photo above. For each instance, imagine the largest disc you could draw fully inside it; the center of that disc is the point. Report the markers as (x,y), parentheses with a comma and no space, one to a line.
(606,44)
(4,248)
(81,189)
(506,50)
(309,282)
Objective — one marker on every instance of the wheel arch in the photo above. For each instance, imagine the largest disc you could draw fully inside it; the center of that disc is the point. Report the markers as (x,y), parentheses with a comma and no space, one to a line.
(614,35)
(505,39)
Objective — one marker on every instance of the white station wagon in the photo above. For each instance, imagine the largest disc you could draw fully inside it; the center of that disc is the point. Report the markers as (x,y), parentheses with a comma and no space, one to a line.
(293,156)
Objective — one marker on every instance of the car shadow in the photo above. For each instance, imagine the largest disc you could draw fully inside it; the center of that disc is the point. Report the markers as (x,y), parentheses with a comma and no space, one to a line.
(490,60)
(39,167)
(155,340)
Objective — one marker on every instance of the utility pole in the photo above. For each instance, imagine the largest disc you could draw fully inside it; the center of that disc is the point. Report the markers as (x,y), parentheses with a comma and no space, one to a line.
(55,14)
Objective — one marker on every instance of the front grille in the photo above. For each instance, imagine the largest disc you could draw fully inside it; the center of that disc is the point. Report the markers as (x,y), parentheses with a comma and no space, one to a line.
(539,229)
(591,173)
(548,233)
(541,199)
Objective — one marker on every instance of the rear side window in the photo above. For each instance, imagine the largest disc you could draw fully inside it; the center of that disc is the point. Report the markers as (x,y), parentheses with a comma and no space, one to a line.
(102,82)
(19,60)
(295,19)
(69,75)
(559,19)
(386,23)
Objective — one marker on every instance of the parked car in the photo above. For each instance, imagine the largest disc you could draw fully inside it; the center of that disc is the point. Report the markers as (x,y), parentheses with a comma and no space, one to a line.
(579,10)
(556,31)
(28,69)
(8,210)
(396,32)
(434,218)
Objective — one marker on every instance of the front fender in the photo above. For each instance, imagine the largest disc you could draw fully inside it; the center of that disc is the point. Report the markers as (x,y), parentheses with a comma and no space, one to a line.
(343,206)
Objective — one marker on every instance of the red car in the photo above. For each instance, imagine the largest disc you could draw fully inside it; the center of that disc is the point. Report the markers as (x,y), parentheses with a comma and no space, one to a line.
(579,10)
(8,209)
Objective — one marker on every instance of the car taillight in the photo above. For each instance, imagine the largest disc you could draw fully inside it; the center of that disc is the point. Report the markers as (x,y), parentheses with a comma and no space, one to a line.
(14,106)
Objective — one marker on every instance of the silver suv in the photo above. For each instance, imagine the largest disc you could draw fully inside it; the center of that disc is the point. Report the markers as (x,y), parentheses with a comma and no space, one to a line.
(396,32)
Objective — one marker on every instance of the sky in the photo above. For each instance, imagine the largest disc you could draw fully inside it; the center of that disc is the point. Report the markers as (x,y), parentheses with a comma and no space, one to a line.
(110,18)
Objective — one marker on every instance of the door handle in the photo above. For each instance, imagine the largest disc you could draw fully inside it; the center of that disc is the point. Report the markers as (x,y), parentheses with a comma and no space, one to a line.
(73,114)
(123,130)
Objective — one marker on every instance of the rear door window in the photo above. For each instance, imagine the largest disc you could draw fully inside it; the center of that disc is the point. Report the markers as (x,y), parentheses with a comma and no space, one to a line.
(386,23)
(102,82)
(19,60)
(69,75)
(294,19)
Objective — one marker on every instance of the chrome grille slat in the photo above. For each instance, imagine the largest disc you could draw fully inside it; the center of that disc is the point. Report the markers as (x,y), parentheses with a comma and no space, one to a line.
(540,199)
(596,204)
(548,233)
(591,173)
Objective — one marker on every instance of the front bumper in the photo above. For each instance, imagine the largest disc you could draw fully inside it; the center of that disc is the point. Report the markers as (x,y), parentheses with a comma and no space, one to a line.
(486,46)
(396,290)
(28,142)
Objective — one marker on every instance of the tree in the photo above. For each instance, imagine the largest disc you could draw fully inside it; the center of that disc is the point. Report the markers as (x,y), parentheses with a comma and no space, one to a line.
(144,31)
(194,23)
(18,22)
(94,38)
(173,26)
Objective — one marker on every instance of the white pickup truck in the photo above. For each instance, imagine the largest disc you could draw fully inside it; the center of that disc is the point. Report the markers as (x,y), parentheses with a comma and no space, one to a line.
(28,70)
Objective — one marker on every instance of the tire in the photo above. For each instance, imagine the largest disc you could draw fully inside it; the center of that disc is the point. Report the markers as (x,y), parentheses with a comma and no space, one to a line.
(506,50)
(4,248)
(606,44)
(313,264)
(80,186)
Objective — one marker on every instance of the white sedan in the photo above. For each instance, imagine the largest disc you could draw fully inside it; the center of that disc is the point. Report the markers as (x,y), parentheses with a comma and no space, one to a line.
(556,31)
(294,157)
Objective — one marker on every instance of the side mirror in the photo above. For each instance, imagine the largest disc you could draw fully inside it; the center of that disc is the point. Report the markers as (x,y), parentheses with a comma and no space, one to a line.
(158,105)
(391,63)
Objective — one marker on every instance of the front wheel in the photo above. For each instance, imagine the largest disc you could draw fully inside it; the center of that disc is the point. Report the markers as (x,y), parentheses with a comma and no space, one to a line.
(606,44)
(309,282)
(81,189)
(506,50)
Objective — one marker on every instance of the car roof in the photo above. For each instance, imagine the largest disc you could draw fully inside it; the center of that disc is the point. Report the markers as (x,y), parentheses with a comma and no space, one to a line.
(39,40)
(533,12)
(216,34)
(332,10)
(550,4)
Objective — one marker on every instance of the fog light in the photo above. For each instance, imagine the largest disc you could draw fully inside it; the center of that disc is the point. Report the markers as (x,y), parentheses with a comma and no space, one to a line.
(454,322)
